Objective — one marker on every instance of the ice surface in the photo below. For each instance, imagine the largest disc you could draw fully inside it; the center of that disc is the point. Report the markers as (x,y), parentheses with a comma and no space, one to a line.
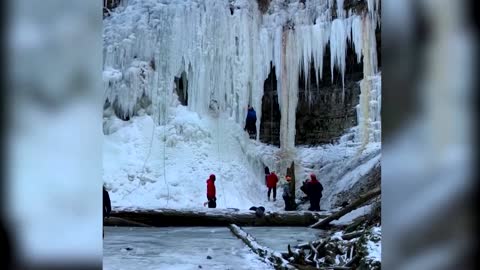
(278,238)
(177,248)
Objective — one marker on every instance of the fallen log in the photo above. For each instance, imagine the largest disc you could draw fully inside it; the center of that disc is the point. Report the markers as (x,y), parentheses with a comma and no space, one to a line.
(335,268)
(215,217)
(354,205)
(274,257)
(315,258)
(309,267)
(307,245)
(121,222)
(356,223)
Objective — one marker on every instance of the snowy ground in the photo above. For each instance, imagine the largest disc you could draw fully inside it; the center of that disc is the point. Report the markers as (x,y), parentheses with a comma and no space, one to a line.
(337,166)
(176,248)
(348,218)
(152,166)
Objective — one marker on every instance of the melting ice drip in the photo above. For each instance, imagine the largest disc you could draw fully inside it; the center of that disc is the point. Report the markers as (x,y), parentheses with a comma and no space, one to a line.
(225,49)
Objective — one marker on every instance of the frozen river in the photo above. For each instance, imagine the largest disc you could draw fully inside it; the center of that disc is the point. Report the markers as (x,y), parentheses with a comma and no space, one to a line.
(193,248)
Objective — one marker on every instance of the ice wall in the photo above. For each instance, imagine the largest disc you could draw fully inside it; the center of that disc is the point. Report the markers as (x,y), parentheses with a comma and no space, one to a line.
(369,107)
(225,48)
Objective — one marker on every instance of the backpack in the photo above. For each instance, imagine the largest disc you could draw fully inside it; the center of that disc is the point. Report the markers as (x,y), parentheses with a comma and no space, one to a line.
(286,191)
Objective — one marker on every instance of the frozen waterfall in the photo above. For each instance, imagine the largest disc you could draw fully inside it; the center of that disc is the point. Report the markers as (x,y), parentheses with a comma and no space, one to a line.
(225,49)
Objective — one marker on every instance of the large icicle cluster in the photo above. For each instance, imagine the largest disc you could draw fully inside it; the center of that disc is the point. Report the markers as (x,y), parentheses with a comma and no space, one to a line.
(225,48)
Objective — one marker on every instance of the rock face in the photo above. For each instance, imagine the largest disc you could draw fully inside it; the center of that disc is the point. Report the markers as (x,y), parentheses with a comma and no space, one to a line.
(322,116)
(270,123)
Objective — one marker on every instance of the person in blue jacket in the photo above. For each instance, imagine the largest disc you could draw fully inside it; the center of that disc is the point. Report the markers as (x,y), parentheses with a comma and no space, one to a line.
(250,123)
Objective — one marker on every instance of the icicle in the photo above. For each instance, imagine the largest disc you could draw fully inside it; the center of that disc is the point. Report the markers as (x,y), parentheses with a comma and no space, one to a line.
(340,10)
(338,49)
(357,32)
(288,96)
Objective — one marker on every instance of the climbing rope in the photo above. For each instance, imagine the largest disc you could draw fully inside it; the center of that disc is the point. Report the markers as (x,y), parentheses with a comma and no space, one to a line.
(147,157)
(164,145)
(219,158)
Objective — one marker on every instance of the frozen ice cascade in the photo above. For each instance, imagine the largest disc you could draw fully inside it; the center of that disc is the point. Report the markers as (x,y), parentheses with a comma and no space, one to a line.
(226,48)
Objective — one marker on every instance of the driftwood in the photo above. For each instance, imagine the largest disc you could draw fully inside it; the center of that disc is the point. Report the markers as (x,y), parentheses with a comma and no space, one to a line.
(350,236)
(274,257)
(309,267)
(356,223)
(214,217)
(354,260)
(307,245)
(363,199)
(316,256)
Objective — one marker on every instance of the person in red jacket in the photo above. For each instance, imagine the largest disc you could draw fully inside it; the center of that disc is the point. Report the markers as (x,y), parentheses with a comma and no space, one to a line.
(211,192)
(272,181)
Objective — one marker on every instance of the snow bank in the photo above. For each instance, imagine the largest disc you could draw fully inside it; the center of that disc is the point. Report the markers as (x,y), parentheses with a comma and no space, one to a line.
(152,166)
(348,218)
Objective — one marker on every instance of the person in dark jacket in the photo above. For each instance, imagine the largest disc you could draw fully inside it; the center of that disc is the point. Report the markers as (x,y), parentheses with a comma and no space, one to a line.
(250,123)
(314,190)
(287,195)
(267,172)
(211,192)
(107,206)
(272,181)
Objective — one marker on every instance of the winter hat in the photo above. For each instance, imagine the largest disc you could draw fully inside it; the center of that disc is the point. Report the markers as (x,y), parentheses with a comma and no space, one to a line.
(212,177)
(313,177)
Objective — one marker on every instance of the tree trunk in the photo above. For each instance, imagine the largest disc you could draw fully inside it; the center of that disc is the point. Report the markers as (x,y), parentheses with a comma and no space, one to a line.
(291,173)
(274,257)
(211,217)
(364,198)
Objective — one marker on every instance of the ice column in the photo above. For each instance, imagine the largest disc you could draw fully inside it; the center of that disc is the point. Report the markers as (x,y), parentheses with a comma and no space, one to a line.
(368,110)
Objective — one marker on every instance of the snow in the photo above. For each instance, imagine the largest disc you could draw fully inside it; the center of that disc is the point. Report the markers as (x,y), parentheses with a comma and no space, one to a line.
(167,166)
(348,218)
(374,248)
(337,236)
